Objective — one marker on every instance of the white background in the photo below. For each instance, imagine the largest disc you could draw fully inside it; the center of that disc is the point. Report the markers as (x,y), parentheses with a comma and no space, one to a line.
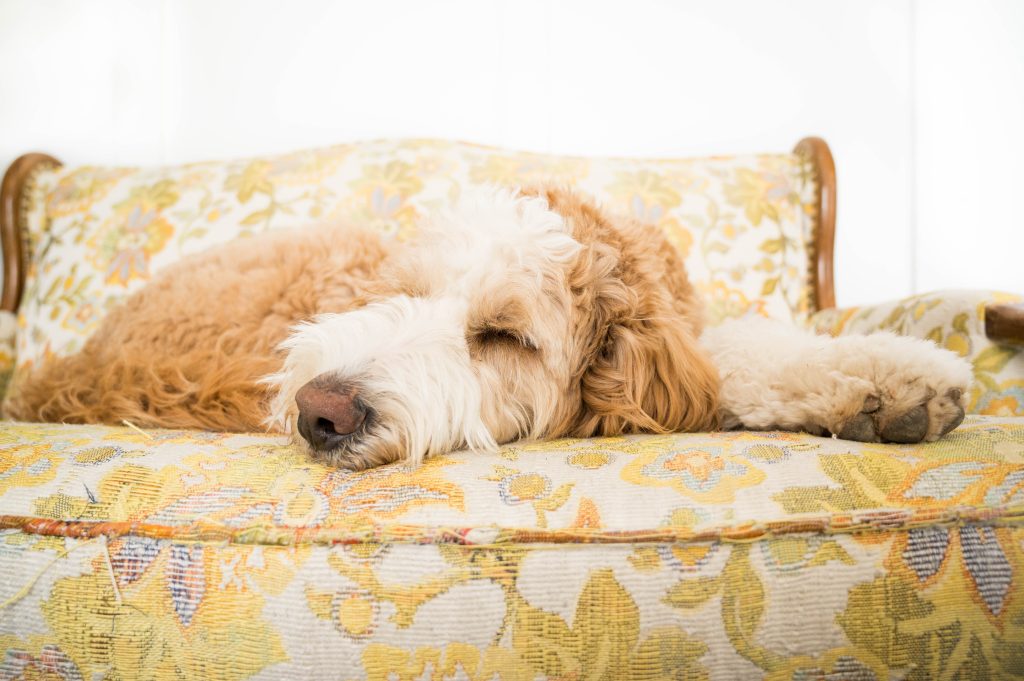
(922,101)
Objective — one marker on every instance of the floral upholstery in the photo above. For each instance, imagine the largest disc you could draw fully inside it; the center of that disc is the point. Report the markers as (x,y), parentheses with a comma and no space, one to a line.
(98,234)
(8,340)
(168,554)
(956,321)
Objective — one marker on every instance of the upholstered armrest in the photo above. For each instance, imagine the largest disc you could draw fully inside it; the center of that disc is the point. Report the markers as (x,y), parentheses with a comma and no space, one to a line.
(981,326)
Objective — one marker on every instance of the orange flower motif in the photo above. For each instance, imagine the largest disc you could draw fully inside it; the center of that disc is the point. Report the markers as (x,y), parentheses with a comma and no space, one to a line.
(28,467)
(135,232)
(647,195)
(698,464)
(1007,401)
(80,189)
(701,473)
(1004,406)
(728,303)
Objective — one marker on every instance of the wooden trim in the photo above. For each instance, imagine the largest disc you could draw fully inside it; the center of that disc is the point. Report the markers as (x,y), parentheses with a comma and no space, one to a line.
(1005,323)
(12,236)
(816,150)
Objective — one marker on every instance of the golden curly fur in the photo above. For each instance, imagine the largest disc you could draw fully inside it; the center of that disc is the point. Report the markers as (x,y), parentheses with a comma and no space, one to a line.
(190,349)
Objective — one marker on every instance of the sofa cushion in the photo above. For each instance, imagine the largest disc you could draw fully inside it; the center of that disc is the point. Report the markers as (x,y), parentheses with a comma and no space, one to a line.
(98,233)
(697,485)
(727,555)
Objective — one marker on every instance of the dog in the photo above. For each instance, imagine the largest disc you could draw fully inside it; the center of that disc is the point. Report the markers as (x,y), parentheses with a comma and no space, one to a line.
(513,314)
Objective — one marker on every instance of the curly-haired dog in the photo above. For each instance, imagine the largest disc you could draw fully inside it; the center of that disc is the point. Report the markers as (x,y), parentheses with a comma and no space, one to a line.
(512,315)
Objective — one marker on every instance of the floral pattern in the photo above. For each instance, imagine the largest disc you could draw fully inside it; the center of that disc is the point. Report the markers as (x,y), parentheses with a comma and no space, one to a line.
(702,473)
(954,320)
(98,234)
(129,554)
(124,244)
(8,339)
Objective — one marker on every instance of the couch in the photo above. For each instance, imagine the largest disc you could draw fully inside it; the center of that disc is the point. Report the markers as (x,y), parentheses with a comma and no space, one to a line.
(129,553)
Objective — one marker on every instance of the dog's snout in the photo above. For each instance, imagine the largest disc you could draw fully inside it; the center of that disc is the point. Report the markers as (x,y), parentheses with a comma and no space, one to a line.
(329,410)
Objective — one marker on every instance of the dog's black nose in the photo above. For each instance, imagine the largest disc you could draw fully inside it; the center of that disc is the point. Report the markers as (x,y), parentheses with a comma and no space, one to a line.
(329,410)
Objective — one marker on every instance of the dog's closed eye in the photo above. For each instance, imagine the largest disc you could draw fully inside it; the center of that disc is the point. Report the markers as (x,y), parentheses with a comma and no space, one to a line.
(491,336)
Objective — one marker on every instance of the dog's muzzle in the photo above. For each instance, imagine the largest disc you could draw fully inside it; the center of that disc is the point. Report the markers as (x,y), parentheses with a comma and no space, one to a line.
(329,412)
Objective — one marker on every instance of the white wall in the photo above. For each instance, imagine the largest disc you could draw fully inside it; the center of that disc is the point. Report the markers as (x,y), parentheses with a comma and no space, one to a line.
(920,101)
(969,156)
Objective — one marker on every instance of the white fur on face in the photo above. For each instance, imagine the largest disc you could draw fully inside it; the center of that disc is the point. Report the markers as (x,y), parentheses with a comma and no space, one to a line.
(429,387)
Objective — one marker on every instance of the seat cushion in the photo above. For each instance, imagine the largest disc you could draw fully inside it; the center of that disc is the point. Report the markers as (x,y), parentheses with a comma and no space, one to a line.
(130,554)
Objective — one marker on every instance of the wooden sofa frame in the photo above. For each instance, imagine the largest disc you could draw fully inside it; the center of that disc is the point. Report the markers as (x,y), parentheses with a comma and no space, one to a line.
(1003,323)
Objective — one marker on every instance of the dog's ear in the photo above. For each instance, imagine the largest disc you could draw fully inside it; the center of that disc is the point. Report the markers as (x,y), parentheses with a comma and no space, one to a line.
(651,375)
(641,367)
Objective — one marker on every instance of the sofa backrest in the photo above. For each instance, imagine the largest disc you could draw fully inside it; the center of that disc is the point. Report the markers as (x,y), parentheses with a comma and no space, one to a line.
(746,224)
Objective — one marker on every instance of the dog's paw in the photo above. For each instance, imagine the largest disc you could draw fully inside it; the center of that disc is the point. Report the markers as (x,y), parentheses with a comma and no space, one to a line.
(915,391)
(925,422)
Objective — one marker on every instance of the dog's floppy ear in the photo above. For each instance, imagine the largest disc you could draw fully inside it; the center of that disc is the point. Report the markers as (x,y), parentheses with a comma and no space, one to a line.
(651,375)
(641,367)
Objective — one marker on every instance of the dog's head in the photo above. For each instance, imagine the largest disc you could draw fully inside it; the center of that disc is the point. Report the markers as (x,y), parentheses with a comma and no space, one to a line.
(513,315)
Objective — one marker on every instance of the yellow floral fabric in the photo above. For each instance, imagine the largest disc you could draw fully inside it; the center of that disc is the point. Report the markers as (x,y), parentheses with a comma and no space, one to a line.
(954,320)
(172,554)
(99,233)
(8,342)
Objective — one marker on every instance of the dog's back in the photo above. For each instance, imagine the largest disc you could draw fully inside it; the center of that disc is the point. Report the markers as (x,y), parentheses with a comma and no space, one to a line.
(188,350)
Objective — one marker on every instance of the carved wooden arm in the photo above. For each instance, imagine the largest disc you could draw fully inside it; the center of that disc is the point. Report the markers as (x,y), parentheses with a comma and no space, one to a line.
(12,237)
(1005,323)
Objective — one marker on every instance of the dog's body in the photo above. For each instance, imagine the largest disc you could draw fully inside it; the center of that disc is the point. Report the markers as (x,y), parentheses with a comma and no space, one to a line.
(189,349)
(531,315)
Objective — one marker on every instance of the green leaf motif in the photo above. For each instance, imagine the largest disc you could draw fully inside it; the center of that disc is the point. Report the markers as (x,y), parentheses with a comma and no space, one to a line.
(743,605)
(688,594)
(607,623)
(257,217)
(992,359)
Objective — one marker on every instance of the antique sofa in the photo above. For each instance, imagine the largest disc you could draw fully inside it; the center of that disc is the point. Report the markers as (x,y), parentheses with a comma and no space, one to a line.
(128,553)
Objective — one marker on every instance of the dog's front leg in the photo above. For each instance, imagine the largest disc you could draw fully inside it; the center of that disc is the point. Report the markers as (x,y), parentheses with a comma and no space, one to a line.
(875,388)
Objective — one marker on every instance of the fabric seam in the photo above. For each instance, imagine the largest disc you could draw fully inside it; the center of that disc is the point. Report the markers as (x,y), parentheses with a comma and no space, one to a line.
(879,521)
